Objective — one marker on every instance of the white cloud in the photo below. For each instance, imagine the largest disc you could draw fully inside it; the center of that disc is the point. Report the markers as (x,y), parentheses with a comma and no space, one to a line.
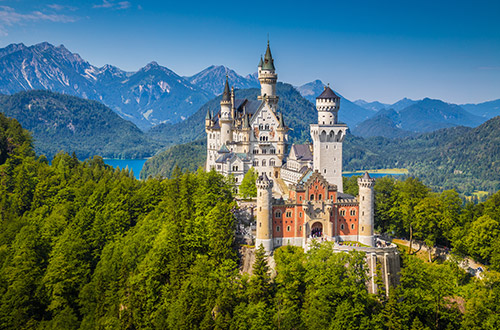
(58,7)
(10,17)
(113,5)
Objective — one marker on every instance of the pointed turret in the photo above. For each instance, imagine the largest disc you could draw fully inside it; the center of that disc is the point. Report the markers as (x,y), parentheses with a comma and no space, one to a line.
(261,63)
(268,60)
(226,96)
(282,120)
(208,118)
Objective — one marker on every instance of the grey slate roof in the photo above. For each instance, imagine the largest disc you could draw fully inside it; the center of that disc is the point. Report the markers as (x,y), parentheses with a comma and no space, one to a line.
(302,151)
(327,94)
(226,96)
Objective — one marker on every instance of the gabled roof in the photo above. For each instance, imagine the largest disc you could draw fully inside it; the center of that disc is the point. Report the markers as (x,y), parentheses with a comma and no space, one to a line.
(223,149)
(302,152)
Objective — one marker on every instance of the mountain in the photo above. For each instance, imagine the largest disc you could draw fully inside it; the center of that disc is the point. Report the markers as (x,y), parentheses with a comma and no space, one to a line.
(423,116)
(349,113)
(403,103)
(212,79)
(150,96)
(68,123)
(384,123)
(374,106)
(487,110)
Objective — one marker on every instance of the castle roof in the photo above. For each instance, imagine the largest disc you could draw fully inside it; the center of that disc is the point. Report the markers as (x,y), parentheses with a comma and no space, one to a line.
(208,116)
(268,59)
(366,176)
(261,62)
(302,151)
(226,96)
(327,94)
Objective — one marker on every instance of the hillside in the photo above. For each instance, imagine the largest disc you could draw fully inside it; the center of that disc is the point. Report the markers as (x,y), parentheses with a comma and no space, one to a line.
(461,158)
(68,123)
(423,116)
(487,110)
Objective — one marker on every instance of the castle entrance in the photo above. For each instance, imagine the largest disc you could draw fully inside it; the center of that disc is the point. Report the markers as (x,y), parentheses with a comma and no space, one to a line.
(317,230)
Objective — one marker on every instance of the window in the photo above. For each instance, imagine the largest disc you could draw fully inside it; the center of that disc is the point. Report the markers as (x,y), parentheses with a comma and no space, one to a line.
(300,214)
(363,198)
(362,228)
(320,197)
(353,212)
(312,197)
(272,162)
(342,227)
(288,228)
(267,127)
(342,212)
(300,228)
(300,198)
(278,214)
(288,214)
(263,162)
(264,151)
(235,168)
(255,163)
(260,126)
(272,151)
(352,226)
(277,228)
(260,224)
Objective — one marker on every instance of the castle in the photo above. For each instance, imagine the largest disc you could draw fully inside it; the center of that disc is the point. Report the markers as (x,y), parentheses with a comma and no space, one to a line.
(300,195)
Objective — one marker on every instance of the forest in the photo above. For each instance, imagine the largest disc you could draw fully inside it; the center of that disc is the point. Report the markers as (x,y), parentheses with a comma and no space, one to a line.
(85,246)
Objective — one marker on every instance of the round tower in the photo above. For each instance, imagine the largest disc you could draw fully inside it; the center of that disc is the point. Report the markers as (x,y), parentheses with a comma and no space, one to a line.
(268,77)
(366,209)
(264,213)
(327,104)
(226,118)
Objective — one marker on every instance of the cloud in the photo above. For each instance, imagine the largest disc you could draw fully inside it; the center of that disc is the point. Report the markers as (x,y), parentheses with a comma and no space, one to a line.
(59,7)
(10,17)
(113,5)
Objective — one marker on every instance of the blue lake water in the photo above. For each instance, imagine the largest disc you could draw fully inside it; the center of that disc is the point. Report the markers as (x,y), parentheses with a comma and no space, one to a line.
(137,164)
(373,175)
(133,164)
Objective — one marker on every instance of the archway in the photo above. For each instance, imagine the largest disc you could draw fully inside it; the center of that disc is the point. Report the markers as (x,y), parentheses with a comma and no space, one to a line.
(317,230)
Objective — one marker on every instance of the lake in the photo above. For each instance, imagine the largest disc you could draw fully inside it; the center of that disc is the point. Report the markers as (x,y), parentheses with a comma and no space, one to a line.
(133,164)
(137,164)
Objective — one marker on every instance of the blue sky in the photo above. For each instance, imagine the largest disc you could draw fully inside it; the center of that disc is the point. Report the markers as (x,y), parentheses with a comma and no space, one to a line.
(374,50)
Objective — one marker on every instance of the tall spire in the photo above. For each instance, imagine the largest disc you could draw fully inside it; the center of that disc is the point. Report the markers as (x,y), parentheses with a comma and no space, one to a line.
(261,62)
(226,96)
(208,116)
(268,59)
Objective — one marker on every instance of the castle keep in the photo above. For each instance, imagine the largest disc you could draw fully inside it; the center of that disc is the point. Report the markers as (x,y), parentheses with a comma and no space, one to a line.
(300,195)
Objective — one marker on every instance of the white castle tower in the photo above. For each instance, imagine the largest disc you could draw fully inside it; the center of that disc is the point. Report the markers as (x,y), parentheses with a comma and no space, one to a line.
(226,116)
(264,233)
(366,207)
(327,137)
(267,78)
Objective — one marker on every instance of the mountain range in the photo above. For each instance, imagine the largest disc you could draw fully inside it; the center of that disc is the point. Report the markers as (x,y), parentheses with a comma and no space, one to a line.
(422,116)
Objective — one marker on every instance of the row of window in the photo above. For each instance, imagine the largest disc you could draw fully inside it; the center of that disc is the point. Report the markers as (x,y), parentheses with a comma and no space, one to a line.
(289,228)
(272,162)
(342,226)
(278,214)
(264,151)
(262,127)
(351,212)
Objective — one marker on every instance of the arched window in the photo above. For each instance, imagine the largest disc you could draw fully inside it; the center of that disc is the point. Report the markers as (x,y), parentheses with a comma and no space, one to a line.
(300,198)
(289,214)
(342,212)
(353,212)
(278,214)
(320,197)
(352,226)
(263,162)
(260,126)
(278,228)
(267,126)
(288,228)
(312,197)
(342,227)
(272,162)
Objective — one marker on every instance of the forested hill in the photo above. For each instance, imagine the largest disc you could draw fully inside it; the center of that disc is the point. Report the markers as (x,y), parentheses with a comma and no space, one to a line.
(298,113)
(61,122)
(462,158)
